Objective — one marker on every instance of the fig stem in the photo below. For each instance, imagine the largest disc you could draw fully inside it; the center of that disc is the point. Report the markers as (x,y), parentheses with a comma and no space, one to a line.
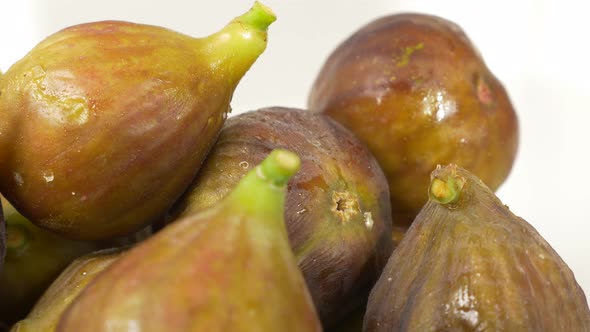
(280,166)
(262,191)
(446,191)
(16,237)
(259,17)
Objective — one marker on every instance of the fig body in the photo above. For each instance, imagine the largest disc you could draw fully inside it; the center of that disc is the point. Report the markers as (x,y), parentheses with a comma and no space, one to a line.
(229,268)
(416,91)
(34,258)
(337,207)
(66,287)
(88,119)
(468,263)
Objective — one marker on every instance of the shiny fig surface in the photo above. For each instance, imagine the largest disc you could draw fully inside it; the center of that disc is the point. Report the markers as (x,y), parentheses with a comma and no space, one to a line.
(468,263)
(337,208)
(229,268)
(416,91)
(103,125)
(47,311)
(34,258)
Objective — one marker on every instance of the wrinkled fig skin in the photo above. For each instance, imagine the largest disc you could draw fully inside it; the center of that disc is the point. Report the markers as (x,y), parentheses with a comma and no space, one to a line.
(472,265)
(34,258)
(229,268)
(337,210)
(47,311)
(103,125)
(415,90)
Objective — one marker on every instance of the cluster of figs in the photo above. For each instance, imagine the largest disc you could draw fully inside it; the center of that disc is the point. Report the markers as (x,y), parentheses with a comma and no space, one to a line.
(132,202)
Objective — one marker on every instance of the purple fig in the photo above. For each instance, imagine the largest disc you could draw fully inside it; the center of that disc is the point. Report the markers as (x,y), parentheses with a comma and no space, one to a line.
(337,208)
(417,92)
(468,263)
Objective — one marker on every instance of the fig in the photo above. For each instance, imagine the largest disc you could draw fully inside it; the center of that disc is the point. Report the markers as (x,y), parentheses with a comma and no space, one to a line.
(47,311)
(229,268)
(417,92)
(468,263)
(34,258)
(88,118)
(337,207)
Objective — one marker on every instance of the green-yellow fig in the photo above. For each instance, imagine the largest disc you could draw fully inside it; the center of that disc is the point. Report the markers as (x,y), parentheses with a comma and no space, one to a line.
(228,268)
(47,311)
(103,125)
(34,258)
(468,263)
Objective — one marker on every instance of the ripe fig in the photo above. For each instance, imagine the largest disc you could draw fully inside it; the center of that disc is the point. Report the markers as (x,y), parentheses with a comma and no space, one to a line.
(47,311)
(468,263)
(88,119)
(229,268)
(416,91)
(337,208)
(34,258)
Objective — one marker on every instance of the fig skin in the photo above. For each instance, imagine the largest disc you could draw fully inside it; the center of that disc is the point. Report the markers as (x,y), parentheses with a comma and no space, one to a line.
(103,125)
(416,91)
(34,258)
(337,209)
(46,313)
(468,263)
(229,268)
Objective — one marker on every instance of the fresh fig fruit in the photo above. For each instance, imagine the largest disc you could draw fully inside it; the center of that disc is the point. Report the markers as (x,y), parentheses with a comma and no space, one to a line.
(34,258)
(337,208)
(229,268)
(468,263)
(416,91)
(47,311)
(103,125)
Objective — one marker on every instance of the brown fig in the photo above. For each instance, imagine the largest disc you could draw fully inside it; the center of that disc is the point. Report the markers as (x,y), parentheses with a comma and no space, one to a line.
(337,208)
(468,263)
(103,125)
(415,90)
(229,268)
(47,311)
(34,258)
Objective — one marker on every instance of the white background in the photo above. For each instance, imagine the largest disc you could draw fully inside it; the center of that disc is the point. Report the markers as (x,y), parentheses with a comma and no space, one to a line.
(538,49)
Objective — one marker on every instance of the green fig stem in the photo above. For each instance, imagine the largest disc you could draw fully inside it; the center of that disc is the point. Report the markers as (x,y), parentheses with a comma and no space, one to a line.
(446,191)
(16,237)
(262,190)
(234,49)
(259,17)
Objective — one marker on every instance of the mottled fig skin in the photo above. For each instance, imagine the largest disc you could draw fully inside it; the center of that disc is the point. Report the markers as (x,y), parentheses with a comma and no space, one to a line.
(468,263)
(417,92)
(229,268)
(103,125)
(34,258)
(337,209)
(46,313)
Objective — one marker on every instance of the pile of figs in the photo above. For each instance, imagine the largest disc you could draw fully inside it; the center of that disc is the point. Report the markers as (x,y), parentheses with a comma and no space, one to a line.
(131,201)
